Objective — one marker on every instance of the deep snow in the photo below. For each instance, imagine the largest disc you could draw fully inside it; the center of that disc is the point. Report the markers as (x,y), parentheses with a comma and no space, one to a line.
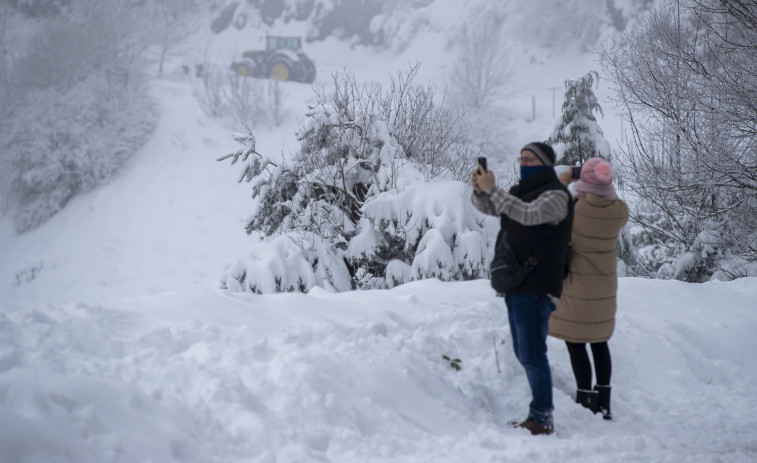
(115,347)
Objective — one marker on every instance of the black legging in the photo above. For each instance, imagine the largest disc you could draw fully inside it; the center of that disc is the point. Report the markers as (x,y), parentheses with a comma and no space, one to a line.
(579,359)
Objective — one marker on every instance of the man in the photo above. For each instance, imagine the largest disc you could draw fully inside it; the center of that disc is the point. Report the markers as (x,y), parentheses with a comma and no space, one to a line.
(536,216)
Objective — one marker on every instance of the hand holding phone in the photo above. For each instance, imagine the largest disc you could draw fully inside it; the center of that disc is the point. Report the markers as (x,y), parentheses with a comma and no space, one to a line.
(576,172)
(482,163)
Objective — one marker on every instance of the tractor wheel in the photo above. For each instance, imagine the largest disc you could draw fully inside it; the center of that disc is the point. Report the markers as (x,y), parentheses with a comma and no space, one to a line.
(280,71)
(242,70)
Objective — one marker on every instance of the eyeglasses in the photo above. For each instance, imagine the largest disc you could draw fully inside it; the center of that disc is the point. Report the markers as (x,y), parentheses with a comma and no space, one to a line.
(528,160)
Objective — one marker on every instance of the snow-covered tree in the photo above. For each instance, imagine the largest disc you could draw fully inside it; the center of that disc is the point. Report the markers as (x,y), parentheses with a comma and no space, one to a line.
(395,23)
(7,95)
(686,80)
(37,8)
(361,144)
(578,136)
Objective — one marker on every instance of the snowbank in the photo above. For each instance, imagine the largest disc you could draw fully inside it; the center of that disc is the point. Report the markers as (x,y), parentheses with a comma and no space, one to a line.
(202,376)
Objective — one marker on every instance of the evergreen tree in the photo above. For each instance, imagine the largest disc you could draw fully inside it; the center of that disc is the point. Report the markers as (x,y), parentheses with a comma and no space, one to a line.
(578,136)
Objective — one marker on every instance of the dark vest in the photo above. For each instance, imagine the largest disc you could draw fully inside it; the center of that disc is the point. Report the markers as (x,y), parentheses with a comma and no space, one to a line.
(547,243)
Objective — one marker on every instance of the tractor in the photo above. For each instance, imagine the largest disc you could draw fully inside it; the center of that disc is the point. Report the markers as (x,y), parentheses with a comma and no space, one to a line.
(282,59)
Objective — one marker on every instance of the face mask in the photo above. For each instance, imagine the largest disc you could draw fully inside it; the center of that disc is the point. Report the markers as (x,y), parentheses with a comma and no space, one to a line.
(530,171)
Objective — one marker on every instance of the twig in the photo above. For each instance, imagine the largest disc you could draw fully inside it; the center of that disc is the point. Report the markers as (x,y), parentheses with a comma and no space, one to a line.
(496,354)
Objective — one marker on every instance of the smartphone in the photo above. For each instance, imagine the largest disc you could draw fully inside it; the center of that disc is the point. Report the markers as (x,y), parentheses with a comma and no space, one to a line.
(482,163)
(576,172)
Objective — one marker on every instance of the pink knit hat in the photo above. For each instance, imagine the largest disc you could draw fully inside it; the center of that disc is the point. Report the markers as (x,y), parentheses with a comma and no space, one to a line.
(596,178)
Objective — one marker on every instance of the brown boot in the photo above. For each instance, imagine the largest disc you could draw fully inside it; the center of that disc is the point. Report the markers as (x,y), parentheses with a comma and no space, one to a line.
(534,427)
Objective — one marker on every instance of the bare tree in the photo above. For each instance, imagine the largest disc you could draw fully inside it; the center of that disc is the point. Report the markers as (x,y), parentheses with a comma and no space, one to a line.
(483,70)
(223,94)
(275,97)
(173,22)
(687,79)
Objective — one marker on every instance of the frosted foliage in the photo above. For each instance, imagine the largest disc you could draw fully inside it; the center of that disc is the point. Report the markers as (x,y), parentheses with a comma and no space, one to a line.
(80,108)
(557,25)
(577,136)
(428,231)
(354,146)
(57,150)
(685,80)
(275,266)
(287,263)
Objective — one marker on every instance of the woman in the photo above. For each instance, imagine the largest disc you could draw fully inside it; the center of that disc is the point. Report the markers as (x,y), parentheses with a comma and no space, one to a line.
(586,310)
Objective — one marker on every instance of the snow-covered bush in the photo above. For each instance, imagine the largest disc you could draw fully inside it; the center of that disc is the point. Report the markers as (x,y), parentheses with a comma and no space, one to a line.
(56,150)
(284,264)
(429,230)
(578,136)
(80,110)
(240,100)
(360,145)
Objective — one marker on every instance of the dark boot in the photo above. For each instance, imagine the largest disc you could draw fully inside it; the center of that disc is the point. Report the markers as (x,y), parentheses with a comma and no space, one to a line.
(603,401)
(587,398)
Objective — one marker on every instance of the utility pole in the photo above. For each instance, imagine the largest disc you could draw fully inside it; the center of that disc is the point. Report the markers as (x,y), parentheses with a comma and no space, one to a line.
(622,129)
(533,107)
(554,97)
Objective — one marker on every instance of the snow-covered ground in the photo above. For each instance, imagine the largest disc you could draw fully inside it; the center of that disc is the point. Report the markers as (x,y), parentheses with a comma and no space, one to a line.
(200,376)
(115,347)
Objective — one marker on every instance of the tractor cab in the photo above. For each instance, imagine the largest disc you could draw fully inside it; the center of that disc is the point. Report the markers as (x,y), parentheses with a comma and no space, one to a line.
(274,43)
(282,59)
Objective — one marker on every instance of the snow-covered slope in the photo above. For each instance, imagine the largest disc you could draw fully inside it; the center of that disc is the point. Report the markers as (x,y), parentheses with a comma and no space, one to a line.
(113,347)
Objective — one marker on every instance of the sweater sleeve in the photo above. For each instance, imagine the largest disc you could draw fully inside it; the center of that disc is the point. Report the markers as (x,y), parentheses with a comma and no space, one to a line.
(484,203)
(550,207)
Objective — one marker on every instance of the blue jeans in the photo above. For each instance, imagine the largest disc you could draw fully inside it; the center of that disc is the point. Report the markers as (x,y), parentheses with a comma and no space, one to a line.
(529,322)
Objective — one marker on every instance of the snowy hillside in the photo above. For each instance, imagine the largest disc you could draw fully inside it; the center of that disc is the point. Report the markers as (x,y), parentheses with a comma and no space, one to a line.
(173,218)
(114,346)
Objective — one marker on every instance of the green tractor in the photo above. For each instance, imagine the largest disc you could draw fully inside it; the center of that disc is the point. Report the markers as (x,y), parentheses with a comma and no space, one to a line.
(282,59)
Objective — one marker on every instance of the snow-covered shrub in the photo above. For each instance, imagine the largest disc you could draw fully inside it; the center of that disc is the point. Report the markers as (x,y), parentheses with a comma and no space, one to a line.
(430,230)
(578,136)
(285,264)
(657,251)
(241,100)
(359,143)
(80,110)
(56,150)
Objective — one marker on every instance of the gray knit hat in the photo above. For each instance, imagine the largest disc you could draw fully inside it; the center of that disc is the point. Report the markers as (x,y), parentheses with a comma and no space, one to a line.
(543,151)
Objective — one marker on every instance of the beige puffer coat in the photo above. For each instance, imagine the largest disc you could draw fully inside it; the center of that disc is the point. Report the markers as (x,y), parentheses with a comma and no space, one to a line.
(586,309)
